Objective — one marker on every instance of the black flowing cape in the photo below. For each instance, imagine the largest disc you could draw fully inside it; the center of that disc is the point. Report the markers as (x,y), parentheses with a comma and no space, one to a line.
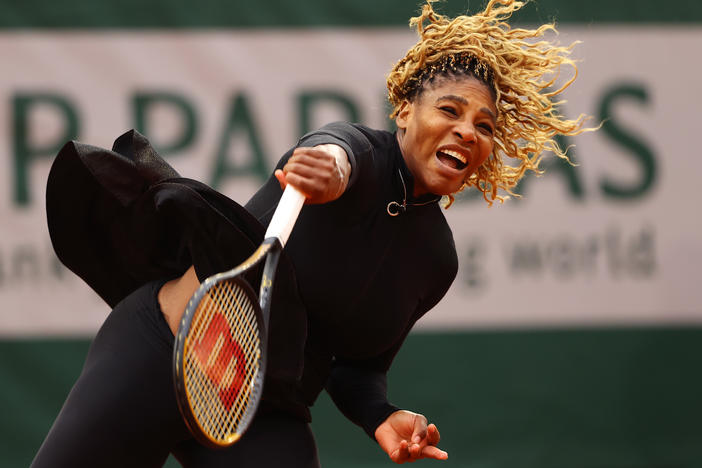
(124,217)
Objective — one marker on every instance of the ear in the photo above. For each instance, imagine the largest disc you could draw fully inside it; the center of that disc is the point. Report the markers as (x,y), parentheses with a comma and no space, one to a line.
(404,115)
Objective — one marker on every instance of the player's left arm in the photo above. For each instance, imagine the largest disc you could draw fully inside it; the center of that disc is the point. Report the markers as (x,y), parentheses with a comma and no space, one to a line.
(360,392)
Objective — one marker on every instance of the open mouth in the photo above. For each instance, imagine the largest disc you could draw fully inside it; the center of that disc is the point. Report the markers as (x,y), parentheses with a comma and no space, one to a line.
(452,159)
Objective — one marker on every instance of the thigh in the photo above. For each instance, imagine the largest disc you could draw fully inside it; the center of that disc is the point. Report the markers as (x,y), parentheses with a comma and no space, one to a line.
(273,440)
(122,409)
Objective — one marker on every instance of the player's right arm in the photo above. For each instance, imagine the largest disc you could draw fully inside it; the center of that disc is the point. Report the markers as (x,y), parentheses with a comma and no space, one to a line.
(321,172)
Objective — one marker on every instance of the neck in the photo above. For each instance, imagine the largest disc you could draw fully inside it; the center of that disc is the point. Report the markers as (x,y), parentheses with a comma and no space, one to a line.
(403,152)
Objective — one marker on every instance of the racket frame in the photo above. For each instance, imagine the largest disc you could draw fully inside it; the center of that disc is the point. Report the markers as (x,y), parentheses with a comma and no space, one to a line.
(276,237)
(269,250)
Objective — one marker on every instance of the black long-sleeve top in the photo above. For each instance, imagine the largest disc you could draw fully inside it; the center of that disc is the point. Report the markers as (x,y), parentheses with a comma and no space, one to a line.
(364,276)
(350,285)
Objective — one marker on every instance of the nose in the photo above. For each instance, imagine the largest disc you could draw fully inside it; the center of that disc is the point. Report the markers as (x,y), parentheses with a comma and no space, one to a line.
(466,132)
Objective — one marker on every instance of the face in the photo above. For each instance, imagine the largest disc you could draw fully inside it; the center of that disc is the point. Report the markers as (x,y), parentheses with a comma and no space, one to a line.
(446,133)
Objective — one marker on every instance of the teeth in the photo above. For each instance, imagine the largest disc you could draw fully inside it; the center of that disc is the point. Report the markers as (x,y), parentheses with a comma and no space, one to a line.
(456,155)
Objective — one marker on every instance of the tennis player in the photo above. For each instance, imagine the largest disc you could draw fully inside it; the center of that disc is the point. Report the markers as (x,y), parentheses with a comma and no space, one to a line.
(370,254)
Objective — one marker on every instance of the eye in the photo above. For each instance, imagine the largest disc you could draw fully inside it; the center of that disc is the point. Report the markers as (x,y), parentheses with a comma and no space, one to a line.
(449,110)
(486,128)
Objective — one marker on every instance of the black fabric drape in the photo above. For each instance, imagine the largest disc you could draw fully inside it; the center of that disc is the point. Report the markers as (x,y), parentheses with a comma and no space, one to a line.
(121,218)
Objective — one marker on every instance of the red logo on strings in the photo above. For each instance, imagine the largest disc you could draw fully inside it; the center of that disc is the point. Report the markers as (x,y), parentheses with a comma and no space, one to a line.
(219,330)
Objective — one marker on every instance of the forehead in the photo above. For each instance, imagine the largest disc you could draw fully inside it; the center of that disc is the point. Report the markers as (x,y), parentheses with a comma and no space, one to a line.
(471,89)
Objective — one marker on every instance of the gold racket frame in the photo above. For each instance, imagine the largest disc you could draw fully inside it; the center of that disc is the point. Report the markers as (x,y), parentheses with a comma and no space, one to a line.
(205,380)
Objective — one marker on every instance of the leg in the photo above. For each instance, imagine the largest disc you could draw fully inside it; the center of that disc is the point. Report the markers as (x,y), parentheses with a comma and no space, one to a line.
(122,410)
(273,440)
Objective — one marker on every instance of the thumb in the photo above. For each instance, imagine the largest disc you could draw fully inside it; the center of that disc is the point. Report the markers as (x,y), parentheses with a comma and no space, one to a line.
(420,429)
(280,175)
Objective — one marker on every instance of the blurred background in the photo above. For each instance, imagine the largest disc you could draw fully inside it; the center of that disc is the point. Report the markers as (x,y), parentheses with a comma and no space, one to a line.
(572,337)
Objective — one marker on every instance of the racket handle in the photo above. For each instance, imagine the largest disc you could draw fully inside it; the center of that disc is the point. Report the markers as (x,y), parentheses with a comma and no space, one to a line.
(286,214)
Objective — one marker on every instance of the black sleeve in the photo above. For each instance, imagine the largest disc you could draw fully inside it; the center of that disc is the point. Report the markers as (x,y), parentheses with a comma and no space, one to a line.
(360,393)
(359,387)
(363,184)
(356,144)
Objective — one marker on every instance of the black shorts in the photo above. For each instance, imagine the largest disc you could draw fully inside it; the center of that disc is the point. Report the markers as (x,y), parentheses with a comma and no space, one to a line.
(122,410)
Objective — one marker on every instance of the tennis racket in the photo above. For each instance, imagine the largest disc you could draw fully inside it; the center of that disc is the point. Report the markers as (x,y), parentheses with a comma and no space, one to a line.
(219,358)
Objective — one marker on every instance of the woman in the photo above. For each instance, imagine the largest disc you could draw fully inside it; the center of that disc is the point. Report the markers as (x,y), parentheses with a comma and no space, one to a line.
(370,254)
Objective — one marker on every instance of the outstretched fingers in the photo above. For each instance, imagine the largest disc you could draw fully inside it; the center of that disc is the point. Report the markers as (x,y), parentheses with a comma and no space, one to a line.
(431,451)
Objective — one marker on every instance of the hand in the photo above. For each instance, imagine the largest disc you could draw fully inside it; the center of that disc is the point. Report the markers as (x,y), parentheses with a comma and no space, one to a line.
(406,437)
(321,173)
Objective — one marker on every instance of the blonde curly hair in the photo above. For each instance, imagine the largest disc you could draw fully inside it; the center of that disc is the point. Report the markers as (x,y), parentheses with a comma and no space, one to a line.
(518,65)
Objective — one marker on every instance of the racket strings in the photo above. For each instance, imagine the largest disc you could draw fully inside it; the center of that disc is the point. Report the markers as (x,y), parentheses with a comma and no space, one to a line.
(223,295)
(222,359)
(243,329)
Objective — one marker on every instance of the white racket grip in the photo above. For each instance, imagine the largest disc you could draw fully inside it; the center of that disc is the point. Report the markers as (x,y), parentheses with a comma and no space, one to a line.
(286,214)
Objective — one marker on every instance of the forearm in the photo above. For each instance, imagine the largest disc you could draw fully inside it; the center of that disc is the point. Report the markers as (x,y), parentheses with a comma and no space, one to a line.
(361,395)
